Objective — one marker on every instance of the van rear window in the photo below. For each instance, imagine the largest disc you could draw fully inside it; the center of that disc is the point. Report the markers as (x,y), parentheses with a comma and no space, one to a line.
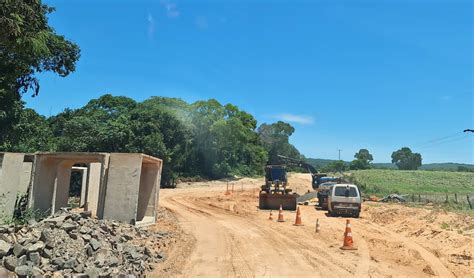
(341,191)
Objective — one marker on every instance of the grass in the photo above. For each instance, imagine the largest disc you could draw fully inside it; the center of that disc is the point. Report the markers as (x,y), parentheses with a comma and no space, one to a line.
(381,182)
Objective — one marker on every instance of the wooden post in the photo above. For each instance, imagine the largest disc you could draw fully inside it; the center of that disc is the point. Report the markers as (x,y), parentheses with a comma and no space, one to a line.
(446,198)
(232,187)
(413,198)
(456,198)
(469,200)
(419,198)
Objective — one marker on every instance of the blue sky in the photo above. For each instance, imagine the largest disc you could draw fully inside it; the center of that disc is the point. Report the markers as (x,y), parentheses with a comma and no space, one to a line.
(347,74)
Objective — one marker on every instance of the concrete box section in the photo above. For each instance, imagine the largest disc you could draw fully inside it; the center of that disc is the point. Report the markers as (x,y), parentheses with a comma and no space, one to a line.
(132,188)
(118,186)
(52,177)
(11,167)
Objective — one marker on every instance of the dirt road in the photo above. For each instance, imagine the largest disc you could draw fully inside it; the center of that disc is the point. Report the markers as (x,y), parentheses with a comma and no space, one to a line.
(234,239)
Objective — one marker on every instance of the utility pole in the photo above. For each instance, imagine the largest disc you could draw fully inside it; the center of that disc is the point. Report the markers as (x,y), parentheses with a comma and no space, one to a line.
(339,150)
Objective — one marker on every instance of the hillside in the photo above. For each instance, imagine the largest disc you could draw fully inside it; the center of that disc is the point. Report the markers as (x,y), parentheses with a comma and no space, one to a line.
(448,166)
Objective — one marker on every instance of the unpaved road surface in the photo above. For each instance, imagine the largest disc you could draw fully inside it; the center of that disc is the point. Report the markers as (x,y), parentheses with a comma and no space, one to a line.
(227,236)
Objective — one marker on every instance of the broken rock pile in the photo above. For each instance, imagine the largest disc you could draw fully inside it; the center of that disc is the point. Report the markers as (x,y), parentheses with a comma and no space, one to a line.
(75,243)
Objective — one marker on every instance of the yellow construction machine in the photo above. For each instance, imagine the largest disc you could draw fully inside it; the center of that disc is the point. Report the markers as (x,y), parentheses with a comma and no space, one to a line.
(275,191)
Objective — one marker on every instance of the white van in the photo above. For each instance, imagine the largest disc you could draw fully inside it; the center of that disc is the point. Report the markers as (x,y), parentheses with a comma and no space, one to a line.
(345,199)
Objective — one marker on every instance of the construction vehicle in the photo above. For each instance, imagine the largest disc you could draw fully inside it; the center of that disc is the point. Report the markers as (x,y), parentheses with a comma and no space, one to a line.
(275,192)
(318,179)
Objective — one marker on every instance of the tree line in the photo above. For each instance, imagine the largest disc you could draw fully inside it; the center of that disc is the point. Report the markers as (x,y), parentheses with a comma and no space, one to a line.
(205,138)
(403,158)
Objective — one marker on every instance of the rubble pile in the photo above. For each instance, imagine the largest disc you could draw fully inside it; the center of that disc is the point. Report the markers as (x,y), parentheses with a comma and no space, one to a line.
(75,243)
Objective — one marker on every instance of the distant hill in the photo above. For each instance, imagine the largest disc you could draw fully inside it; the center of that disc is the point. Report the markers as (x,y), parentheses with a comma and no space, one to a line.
(448,166)
(320,162)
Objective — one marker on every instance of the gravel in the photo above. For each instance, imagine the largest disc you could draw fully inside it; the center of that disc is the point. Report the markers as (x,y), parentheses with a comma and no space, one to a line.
(78,245)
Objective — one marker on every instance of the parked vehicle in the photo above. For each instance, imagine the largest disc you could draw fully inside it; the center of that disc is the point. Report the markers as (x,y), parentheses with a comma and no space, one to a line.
(323,193)
(345,199)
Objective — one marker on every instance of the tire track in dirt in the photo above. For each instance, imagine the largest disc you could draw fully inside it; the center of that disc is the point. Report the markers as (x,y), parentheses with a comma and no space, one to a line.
(430,259)
(246,244)
(296,255)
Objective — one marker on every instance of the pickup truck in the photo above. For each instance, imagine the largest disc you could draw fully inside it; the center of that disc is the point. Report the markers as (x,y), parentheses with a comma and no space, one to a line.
(344,199)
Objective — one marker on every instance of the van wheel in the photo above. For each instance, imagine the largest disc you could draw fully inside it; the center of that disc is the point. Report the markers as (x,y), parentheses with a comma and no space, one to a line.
(357,214)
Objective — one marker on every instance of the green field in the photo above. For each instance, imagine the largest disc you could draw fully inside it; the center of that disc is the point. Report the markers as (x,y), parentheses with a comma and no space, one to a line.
(380,182)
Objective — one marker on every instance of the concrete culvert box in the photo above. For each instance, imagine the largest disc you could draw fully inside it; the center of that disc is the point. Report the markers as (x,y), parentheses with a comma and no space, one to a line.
(133,183)
(15,175)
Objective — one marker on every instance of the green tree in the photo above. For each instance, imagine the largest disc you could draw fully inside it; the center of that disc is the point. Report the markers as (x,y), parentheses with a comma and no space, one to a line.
(464,169)
(275,139)
(158,132)
(31,134)
(405,159)
(103,125)
(225,140)
(362,160)
(28,45)
(335,166)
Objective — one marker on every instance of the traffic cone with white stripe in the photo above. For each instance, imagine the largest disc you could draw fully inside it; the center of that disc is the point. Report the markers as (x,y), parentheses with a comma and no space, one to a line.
(318,228)
(271,216)
(348,242)
(280,215)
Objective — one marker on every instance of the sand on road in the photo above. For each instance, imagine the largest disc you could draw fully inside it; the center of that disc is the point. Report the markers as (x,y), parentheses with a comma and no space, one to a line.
(227,236)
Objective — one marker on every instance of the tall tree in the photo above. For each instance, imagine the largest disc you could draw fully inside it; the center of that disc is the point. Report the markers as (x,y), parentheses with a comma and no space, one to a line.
(225,140)
(32,133)
(405,159)
(275,138)
(102,125)
(362,160)
(335,166)
(28,45)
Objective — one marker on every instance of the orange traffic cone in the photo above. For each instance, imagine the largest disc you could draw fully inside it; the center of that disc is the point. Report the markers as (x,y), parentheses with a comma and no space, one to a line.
(348,242)
(318,228)
(280,215)
(271,216)
(298,218)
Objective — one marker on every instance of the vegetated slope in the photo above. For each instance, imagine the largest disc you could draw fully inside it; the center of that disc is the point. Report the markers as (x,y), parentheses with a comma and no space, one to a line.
(390,181)
(447,166)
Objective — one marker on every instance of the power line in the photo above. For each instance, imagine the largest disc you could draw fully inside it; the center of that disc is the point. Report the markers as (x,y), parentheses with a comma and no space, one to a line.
(440,139)
(452,140)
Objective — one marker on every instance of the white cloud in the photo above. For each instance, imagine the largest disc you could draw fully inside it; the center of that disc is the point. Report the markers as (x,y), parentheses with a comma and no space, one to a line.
(151,26)
(171,8)
(292,118)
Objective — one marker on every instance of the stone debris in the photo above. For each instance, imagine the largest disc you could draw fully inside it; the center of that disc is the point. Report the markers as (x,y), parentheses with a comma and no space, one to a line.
(75,244)
(393,198)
